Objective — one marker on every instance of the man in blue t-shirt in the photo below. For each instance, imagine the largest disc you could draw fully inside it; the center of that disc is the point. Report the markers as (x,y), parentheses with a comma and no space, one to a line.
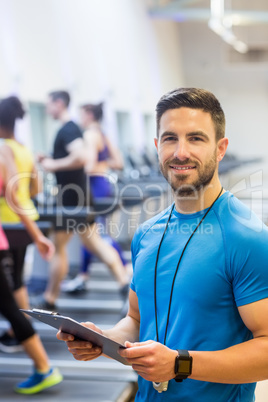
(197,327)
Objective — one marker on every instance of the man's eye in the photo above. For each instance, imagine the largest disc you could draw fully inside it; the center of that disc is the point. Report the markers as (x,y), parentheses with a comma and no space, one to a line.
(169,139)
(196,139)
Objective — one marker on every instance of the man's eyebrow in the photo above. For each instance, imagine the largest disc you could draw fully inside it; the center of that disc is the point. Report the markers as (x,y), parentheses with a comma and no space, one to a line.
(167,134)
(198,133)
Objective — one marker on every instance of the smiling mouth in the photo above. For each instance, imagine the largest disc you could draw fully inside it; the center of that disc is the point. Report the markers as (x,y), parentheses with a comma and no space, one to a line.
(182,167)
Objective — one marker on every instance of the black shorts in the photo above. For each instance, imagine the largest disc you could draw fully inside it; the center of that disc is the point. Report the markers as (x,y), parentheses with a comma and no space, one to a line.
(18,239)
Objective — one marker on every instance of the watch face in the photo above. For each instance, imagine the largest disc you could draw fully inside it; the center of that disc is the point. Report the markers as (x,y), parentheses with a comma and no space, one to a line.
(184,367)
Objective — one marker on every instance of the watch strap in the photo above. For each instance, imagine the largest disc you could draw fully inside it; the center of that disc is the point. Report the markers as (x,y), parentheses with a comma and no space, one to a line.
(183,365)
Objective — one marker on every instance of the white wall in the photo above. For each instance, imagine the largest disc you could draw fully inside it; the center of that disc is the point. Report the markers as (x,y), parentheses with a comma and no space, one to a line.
(242,88)
(97,49)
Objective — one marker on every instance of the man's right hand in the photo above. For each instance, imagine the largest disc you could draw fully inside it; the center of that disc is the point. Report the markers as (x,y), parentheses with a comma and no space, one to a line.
(40,157)
(81,350)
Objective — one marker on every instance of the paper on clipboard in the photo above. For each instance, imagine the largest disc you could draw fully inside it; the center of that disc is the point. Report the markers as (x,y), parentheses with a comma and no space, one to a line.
(70,326)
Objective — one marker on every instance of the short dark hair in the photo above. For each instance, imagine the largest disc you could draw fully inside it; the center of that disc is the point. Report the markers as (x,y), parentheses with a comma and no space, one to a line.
(63,95)
(193,98)
(11,109)
(95,109)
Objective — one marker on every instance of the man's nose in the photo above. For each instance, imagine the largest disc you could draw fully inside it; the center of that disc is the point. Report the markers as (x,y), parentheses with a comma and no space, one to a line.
(182,151)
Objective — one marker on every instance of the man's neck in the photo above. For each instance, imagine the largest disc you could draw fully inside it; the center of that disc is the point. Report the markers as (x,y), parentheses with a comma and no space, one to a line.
(65,116)
(198,201)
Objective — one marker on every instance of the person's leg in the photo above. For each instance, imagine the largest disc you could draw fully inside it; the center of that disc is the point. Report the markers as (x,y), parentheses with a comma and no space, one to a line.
(79,282)
(22,300)
(127,264)
(22,327)
(118,248)
(36,351)
(43,376)
(86,260)
(58,266)
(20,291)
(105,252)
(12,264)
(100,188)
(21,297)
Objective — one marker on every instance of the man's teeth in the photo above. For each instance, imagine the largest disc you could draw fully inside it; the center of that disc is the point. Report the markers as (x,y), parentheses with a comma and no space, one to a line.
(183,168)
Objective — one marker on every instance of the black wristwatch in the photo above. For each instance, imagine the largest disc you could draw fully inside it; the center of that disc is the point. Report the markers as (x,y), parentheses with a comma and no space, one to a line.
(183,365)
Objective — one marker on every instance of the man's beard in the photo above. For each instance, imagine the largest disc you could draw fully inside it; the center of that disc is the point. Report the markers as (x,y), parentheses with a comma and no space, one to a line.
(205,176)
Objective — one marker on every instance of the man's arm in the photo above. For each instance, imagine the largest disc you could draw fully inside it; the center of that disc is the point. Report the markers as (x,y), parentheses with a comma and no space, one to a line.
(125,330)
(128,328)
(247,362)
(242,363)
(36,183)
(74,160)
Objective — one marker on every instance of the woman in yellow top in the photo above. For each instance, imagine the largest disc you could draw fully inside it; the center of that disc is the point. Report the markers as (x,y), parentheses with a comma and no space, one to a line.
(44,376)
(27,185)
(26,179)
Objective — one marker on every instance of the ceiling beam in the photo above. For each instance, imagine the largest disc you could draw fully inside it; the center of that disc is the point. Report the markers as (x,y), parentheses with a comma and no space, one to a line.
(181,3)
(238,17)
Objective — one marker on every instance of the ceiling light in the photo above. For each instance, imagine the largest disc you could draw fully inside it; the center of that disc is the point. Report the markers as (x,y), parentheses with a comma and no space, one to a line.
(222,26)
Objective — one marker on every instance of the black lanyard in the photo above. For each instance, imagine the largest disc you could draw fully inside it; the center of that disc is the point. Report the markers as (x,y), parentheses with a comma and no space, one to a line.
(174,277)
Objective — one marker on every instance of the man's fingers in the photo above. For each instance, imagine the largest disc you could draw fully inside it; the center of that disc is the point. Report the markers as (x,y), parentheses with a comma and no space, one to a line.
(75,344)
(85,354)
(136,344)
(135,350)
(90,325)
(81,347)
(62,336)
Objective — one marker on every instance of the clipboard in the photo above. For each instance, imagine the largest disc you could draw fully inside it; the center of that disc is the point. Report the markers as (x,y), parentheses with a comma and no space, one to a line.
(70,326)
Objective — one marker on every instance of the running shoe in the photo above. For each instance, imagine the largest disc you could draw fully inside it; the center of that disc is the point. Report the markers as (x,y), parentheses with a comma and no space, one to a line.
(37,382)
(76,285)
(41,303)
(9,344)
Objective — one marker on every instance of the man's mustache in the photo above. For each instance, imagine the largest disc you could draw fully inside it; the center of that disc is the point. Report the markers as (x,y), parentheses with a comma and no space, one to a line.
(181,163)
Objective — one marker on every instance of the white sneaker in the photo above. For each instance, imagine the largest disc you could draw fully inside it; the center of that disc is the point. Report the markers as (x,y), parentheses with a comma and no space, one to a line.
(76,285)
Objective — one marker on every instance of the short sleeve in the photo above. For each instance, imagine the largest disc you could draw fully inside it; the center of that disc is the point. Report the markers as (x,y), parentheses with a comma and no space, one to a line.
(250,280)
(71,133)
(133,258)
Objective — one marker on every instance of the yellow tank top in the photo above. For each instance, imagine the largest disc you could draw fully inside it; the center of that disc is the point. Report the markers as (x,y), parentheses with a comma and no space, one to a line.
(24,163)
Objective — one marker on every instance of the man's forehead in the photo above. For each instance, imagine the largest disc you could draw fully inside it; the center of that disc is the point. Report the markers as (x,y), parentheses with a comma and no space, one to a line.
(185,112)
(186,120)
(185,116)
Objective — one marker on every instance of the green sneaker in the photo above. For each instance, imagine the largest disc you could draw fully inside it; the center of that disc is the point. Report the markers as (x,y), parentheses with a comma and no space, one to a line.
(39,381)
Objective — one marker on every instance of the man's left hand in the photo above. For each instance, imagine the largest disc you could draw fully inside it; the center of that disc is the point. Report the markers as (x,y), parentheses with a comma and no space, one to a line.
(151,360)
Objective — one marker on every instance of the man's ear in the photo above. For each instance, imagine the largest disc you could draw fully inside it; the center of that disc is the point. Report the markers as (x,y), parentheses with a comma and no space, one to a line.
(156,143)
(221,148)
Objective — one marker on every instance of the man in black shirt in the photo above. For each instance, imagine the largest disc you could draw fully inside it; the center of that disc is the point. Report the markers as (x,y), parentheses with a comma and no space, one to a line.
(68,165)
(67,134)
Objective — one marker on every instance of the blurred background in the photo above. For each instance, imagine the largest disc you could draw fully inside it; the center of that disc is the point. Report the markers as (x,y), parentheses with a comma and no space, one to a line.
(127,53)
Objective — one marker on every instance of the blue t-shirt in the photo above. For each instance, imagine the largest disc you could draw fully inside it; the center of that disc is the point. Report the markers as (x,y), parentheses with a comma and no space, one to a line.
(223,267)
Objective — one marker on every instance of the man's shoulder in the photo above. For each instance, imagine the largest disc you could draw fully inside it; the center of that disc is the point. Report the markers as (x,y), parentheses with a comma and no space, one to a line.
(71,126)
(69,132)
(238,220)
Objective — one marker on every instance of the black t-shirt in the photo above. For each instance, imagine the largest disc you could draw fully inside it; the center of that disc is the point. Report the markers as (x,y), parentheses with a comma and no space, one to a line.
(72,184)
